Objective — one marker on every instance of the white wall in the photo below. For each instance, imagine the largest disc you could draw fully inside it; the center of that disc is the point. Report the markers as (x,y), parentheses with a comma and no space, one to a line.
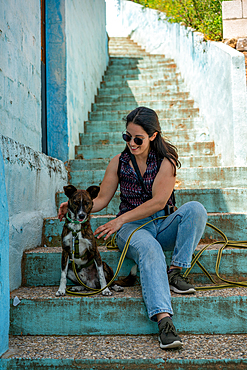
(20,78)
(213,72)
(32,179)
(86,61)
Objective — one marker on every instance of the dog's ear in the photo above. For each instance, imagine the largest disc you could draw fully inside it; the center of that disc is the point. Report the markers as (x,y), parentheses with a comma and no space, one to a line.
(93,191)
(69,190)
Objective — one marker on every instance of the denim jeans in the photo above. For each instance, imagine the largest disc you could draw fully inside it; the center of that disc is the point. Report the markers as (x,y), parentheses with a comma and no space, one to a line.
(180,232)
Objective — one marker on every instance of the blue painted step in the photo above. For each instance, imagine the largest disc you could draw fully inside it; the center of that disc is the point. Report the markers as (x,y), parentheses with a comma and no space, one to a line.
(41,313)
(234,225)
(41,266)
(214,200)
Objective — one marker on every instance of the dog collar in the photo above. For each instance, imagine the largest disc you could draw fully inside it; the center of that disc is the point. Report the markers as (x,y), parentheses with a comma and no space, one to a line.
(75,222)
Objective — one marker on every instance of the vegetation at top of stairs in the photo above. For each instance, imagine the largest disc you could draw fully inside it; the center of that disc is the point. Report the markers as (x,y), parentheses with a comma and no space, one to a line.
(203,15)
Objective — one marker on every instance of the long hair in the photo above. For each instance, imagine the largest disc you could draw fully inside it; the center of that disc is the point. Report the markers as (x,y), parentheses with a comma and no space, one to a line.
(148,120)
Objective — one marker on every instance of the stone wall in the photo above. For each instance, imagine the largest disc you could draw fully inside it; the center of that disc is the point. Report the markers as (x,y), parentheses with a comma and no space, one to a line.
(77,57)
(32,179)
(4,263)
(20,77)
(213,72)
(234,15)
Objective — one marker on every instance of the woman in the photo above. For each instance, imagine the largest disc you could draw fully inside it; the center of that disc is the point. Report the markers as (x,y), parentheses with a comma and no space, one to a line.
(180,231)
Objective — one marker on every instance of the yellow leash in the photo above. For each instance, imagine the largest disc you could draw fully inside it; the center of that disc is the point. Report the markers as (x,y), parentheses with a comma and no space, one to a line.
(225,241)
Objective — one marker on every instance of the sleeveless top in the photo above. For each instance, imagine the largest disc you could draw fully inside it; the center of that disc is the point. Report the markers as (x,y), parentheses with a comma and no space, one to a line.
(131,191)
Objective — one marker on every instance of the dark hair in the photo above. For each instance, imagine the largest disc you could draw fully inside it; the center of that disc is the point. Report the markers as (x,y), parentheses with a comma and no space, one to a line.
(148,120)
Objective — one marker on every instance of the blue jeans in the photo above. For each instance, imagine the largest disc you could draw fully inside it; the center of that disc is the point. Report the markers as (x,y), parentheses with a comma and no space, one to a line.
(180,232)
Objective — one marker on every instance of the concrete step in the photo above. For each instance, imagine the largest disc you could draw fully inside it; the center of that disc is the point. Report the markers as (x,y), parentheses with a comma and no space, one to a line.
(40,312)
(167,124)
(153,104)
(161,87)
(116,137)
(150,67)
(157,75)
(234,225)
(109,150)
(101,164)
(139,83)
(47,262)
(151,60)
(124,52)
(223,200)
(118,98)
(122,352)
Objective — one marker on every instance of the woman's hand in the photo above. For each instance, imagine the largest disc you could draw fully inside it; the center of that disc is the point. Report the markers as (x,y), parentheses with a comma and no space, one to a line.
(62,210)
(109,228)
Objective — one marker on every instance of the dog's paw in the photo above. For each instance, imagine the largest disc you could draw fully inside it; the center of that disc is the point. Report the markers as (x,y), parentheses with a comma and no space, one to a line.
(106,292)
(60,292)
(117,288)
(78,288)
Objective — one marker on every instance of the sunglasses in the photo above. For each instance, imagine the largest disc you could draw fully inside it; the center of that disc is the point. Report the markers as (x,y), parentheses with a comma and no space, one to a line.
(137,140)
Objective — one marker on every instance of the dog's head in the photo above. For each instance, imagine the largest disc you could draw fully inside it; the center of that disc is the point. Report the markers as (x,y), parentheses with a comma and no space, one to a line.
(80,201)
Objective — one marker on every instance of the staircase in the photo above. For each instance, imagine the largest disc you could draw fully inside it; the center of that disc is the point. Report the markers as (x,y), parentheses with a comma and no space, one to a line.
(115,332)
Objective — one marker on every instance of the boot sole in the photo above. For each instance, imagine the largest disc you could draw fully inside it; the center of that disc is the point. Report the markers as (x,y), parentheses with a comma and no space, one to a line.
(188,291)
(175,344)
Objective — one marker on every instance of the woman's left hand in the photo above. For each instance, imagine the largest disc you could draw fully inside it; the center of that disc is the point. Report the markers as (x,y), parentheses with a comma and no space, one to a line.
(109,228)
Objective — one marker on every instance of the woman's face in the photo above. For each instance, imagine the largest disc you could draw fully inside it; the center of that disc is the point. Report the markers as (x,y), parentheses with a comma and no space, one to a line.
(136,131)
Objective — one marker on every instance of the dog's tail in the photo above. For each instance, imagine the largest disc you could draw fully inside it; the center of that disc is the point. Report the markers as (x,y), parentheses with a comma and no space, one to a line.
(128,280)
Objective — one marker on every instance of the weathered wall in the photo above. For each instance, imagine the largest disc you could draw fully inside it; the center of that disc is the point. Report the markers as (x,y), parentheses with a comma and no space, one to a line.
(234,15)
(213,72)
(4,263)
(20,79)
(76,60)
(32,179)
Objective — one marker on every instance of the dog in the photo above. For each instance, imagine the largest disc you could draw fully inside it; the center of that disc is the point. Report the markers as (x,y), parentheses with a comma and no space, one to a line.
(77,235)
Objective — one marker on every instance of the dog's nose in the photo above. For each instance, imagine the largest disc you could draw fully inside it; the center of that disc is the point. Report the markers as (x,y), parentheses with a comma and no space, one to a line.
(81,216)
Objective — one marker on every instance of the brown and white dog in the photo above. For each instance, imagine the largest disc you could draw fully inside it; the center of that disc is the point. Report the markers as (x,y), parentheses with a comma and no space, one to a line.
(77,235)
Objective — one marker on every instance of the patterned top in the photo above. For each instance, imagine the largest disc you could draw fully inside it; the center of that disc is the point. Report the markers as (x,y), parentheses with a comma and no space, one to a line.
(132,194)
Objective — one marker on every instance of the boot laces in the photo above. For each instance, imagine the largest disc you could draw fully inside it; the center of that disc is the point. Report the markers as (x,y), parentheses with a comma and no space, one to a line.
(169,327)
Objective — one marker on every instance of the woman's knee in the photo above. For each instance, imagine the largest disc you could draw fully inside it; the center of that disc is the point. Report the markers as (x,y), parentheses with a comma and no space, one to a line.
(196,210)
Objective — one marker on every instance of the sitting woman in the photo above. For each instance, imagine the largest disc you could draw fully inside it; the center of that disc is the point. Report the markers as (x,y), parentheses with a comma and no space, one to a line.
(144,198)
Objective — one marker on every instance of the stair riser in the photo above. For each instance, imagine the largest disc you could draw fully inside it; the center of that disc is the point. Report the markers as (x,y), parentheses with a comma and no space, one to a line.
(48,266)
(233,225)
(98,164)
(166,113)
(136,90)
(187,178)
(166,125)
(163,104)
(158,75)
(117,137)
(214,200)
(118,364)
(101,164)
(75,316)
(141,97)
(108,150)
(121,70)
(140,83)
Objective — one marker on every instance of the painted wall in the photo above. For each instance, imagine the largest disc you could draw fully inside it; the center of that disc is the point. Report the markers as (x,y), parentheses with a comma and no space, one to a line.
(234,15)
(32,179)
(77,58)
(20,79)
(4,262)
(213,72)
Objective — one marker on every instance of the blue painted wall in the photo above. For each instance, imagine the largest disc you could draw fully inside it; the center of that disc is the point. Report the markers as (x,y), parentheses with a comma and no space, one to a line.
(57,128)
(76,59)
(4,263)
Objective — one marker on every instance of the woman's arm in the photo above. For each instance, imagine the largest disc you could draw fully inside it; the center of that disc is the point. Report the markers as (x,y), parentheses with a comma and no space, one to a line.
(107,189)
(108,186)
(162,189)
